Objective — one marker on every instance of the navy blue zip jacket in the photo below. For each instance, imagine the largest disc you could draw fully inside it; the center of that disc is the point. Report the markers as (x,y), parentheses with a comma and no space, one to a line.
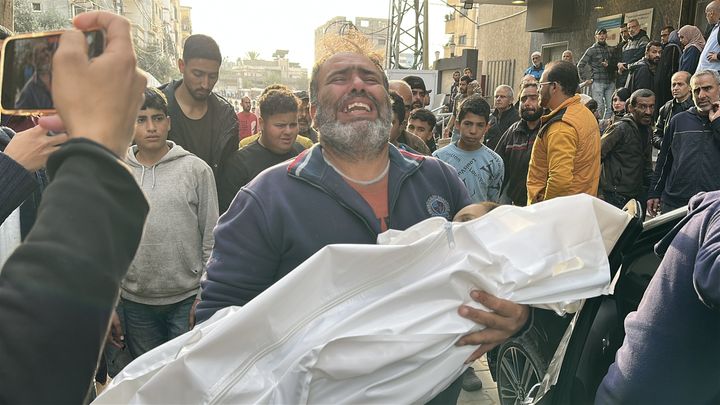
(688,159)
(670,354)
(292,210)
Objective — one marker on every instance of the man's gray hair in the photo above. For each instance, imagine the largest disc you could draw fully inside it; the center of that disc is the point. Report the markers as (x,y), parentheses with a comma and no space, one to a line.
(508,88)
(704,72)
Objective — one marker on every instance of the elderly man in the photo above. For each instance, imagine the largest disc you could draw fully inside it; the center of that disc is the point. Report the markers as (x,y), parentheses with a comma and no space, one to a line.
(503,115)
(350,188)
(687,163)
(537,67)
(632,50)
(567,56)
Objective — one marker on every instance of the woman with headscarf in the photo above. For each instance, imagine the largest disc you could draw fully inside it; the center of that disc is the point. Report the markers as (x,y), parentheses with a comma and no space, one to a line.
(619,98)
(693,43)
(667,66)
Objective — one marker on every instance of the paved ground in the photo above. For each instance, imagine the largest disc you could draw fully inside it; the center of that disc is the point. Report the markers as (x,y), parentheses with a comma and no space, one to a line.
(488,394)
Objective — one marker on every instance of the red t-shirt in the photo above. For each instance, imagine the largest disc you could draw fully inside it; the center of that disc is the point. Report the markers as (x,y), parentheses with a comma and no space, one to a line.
(247,123)
(376,195)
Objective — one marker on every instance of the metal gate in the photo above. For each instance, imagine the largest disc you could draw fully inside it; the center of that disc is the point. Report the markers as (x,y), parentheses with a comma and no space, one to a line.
(499,72)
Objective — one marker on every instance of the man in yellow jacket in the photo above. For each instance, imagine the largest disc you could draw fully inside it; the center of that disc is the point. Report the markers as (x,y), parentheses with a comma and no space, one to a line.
(565,158)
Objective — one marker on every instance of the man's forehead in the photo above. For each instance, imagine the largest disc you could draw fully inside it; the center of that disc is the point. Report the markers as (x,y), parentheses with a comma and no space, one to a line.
(345,60)
(529,91)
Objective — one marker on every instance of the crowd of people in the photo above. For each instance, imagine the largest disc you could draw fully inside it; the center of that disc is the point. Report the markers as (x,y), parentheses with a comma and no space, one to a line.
(217,206)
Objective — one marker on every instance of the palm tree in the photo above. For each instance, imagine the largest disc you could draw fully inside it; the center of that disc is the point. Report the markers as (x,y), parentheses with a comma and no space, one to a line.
(252,55)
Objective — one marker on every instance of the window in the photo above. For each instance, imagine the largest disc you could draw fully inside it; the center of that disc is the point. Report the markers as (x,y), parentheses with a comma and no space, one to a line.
(36,7)
(364,23)
(462,40)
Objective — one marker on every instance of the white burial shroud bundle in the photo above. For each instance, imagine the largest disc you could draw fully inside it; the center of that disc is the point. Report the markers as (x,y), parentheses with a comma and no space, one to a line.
(378,323)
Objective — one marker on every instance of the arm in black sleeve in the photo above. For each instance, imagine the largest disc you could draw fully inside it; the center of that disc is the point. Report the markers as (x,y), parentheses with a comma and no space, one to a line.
(58,289)
(16,184)
(233,176)
(660,126)
(663,163)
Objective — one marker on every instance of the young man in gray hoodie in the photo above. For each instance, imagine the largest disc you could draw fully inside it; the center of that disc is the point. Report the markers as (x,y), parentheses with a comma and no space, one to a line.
(161,289)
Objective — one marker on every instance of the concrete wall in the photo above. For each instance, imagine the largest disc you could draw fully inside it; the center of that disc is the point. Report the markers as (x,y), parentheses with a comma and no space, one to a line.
(502,36)
(580,34)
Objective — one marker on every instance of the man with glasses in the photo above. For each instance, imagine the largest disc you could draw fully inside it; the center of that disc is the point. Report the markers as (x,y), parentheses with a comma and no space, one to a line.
(632,51)
(626,152)
(565,158)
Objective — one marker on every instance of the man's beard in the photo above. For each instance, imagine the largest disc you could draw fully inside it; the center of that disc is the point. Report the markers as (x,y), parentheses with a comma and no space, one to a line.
(357,140)
(526,115)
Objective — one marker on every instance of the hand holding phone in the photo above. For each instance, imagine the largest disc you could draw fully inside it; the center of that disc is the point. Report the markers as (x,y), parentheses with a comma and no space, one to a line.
(26,70)
(98,100)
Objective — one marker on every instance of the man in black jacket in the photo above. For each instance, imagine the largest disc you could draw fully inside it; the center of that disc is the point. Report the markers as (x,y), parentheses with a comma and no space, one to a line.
(689,153)
(58,289)
(642,73)
(626,153)
(631,51)
(680,88)
(515,147)
(203,122)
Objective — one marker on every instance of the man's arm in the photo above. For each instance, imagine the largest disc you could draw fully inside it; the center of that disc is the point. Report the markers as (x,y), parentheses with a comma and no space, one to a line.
(207,208)
(660,126)
(27,152)
(233,176)
(583,63)
(244,260)
(60,286)
(561,150)
(16,184)
(663,163)
(609,140)
(642,79)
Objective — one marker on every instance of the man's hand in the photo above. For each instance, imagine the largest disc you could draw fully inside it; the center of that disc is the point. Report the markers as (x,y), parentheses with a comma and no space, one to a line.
(621,67)
(191,318)
(653,207)
(714,111)
(98,99)
(505,320)
(31,148)
(712,56)
(115,335)
(604,63)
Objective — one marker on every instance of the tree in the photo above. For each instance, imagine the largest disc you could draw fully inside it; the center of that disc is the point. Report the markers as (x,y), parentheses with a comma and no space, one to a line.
(252,55)
(154,61)
(27,20)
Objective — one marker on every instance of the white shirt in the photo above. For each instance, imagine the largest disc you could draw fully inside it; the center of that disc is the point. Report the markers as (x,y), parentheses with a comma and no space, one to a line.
(710,46)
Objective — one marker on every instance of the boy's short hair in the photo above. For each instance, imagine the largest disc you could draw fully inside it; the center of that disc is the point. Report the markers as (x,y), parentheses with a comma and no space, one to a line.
(155,99)
(201,46)
(425,115)
(398,106)
(277,99)
(474,104)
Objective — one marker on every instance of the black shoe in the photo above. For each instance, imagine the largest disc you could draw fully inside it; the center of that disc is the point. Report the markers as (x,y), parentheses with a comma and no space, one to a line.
(470,381)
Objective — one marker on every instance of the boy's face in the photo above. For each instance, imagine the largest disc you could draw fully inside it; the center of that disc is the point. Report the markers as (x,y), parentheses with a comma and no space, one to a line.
(151,129)
(420,128)
(472,131)
(470,212)
(279,132)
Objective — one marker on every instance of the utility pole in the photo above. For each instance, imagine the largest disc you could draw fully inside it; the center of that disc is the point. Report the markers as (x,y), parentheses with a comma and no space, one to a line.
(408,30)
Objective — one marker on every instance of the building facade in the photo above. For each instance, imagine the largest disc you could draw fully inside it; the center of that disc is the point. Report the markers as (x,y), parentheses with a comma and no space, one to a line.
(375,29)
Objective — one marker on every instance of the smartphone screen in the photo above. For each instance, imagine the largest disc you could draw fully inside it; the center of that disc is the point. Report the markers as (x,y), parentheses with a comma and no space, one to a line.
(27,71)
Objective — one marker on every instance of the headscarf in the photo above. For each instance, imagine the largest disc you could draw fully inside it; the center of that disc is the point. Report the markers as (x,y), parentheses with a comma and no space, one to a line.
(693,36)
(674,38)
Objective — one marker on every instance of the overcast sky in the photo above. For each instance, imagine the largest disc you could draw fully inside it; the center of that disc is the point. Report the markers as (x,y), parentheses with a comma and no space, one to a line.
(240,26)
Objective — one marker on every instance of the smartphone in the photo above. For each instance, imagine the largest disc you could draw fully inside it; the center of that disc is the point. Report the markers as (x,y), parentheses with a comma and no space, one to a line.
(26,70)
